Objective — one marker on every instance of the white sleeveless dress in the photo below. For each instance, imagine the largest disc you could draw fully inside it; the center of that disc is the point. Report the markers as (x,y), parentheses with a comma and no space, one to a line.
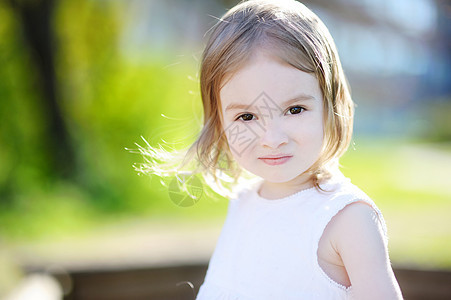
(267,249)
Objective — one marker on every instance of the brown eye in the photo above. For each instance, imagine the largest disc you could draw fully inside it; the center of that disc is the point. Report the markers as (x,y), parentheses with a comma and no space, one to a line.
(296,110)
(246,117)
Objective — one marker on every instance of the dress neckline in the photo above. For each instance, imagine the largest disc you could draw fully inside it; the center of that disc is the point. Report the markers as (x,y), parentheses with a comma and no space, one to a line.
(299,195)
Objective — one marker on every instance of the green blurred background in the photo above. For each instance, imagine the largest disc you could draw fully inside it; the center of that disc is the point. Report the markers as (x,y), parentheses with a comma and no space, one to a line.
(81,80)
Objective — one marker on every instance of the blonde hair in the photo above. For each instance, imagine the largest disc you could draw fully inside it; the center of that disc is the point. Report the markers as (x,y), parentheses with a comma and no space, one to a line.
(293,33)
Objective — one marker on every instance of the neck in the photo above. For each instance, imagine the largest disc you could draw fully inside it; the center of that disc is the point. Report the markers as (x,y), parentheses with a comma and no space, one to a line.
(277,190)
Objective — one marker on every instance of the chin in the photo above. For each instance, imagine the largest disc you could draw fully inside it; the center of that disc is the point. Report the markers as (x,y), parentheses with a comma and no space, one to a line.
(277,178)
(273,180)
(284,176)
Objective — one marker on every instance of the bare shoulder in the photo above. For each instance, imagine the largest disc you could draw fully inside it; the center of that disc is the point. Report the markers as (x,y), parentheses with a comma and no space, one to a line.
(355,228)
(359,209)
(357,234)
(356,219)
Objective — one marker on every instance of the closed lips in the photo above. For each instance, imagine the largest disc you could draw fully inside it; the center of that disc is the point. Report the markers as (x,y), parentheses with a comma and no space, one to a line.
(275,156)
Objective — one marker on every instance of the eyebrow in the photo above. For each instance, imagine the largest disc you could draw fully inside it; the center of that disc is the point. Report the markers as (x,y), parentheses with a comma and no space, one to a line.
(301,97)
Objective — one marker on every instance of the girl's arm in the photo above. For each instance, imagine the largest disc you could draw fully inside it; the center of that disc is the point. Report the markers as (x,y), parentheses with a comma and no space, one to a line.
(358,237)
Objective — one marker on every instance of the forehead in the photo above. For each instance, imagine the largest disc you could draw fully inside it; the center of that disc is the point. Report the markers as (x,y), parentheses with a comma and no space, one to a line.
(266,73)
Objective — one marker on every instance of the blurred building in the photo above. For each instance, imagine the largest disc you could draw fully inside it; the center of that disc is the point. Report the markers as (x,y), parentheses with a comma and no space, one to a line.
(397,58)
(396,54)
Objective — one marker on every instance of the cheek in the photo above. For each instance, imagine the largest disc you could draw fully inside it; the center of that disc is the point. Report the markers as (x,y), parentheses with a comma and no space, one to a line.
(240,137)
(307,130)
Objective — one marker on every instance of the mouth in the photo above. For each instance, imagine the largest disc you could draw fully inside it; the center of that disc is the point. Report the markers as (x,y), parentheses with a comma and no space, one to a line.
(275,160)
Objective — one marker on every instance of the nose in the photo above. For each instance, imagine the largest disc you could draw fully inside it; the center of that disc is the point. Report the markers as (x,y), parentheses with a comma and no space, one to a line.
(273,136)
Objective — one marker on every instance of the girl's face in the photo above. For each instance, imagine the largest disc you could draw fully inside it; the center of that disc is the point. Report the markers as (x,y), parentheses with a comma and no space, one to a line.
(273,120)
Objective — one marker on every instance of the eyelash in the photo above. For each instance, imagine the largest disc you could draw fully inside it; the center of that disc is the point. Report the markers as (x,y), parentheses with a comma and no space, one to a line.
(296,106)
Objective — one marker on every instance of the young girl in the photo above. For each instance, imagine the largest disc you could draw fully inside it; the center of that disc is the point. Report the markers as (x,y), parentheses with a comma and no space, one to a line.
(277,107)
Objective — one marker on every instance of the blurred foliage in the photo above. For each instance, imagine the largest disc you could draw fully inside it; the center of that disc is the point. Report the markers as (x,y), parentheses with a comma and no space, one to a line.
(108,102)
(438,124)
